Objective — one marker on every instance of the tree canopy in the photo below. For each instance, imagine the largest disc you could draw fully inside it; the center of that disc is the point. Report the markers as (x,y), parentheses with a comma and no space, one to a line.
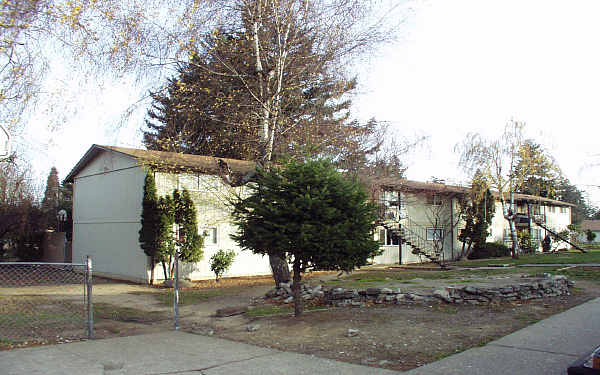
(308,214)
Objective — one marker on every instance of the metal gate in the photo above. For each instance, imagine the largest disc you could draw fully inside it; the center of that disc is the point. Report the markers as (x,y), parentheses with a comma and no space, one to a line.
(45,302)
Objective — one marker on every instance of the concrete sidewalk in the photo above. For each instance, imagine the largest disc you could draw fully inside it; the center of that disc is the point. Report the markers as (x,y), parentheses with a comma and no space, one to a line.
(169,353)
(547,347)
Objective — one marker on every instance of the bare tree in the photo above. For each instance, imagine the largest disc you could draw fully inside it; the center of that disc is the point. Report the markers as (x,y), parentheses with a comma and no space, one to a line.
(496,160)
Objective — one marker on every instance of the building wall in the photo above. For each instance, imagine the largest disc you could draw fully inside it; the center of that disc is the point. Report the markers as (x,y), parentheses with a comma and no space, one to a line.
(583,237)
(557,221)
(107,206)
(210,196)
(420,210)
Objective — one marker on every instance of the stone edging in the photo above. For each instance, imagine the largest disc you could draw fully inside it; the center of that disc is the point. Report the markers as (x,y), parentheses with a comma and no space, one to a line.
(538,286)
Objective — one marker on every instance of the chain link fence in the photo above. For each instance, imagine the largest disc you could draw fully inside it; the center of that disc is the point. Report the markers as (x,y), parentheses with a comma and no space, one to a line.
(45,302)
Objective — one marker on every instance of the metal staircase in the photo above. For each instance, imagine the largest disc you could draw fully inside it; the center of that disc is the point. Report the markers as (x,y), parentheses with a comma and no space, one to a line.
(393,217)
(414,235)
(540,221)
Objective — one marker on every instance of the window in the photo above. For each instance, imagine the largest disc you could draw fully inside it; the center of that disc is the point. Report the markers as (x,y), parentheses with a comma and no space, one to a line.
(434,200)
(386,238)
(551,208)
(210,235)
(434,234)
(563,210)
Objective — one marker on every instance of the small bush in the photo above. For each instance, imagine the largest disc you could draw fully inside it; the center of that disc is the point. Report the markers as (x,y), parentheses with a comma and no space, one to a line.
(490,250)
(220,262)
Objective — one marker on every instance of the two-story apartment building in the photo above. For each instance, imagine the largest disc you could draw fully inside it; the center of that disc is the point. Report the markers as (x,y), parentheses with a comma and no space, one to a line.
(423,220)
(108,184)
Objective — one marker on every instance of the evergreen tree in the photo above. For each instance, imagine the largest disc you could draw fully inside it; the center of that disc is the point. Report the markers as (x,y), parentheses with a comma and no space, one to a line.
(309,214)
(150,232)
(191,242)
(177,208)
(51,199)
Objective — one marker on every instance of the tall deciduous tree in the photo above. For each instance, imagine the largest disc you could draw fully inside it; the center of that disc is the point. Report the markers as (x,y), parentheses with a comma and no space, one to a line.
(477,214)
(147,38)
(496,160)
(309,214)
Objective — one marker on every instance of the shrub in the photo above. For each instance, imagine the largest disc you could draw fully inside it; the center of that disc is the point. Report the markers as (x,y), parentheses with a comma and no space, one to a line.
(490,250)
(220,262)
(525,243)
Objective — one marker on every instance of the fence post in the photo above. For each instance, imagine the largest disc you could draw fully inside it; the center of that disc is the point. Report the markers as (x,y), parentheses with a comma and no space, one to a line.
(176,292)
(90,305)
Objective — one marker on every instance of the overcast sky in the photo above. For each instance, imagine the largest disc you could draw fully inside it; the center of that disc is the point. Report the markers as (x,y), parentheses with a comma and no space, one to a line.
(460,66)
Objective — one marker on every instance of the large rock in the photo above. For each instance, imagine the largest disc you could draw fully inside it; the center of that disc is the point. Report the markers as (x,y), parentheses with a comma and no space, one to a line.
(444,295)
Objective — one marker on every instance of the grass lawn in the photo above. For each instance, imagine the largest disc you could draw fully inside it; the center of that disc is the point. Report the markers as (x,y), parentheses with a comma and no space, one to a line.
(571,256)
(363,280)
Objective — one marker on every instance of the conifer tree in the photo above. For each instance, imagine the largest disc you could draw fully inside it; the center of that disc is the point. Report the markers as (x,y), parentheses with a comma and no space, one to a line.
(51,199)
(310,215)
(150,219)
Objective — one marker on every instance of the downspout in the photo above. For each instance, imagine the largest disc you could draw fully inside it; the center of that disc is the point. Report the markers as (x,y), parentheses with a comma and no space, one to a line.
(452,228)
(399,226)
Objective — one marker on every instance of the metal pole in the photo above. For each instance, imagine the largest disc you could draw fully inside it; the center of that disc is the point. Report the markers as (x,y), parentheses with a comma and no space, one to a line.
(176,292)
(90,305)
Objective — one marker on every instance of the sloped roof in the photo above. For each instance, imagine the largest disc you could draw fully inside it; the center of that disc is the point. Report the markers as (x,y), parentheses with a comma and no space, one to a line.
(401,184)
(166,160)
(591,225)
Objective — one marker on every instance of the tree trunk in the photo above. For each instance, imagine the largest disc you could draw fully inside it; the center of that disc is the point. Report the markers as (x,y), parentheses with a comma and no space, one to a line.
(509,215)
(279,267)
(164,265)
(298,300)
(152,264)
(513,237)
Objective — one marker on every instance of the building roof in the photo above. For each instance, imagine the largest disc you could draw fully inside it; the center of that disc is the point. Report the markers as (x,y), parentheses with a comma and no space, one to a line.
(593,225)
(162,160)
(401,184)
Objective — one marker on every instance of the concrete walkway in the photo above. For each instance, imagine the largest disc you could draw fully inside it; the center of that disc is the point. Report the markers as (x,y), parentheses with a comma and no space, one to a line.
(547,347)
(169,353)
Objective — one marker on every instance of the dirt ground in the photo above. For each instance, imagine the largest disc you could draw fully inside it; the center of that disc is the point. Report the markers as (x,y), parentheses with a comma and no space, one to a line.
(398,337)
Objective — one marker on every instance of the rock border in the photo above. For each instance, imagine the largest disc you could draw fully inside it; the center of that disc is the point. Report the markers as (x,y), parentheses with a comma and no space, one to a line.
(541,286)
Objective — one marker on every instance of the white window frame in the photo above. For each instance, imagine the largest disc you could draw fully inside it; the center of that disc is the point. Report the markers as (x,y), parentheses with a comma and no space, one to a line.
(563,209)
(431,231)
(385,238)
(552,209)
(210,239)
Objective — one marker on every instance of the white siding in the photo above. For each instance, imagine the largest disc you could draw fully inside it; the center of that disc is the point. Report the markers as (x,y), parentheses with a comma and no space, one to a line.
(211,207)
(389,256)
(107,207)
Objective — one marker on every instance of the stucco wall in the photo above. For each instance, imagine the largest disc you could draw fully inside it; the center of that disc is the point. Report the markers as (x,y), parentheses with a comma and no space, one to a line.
(107,205)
